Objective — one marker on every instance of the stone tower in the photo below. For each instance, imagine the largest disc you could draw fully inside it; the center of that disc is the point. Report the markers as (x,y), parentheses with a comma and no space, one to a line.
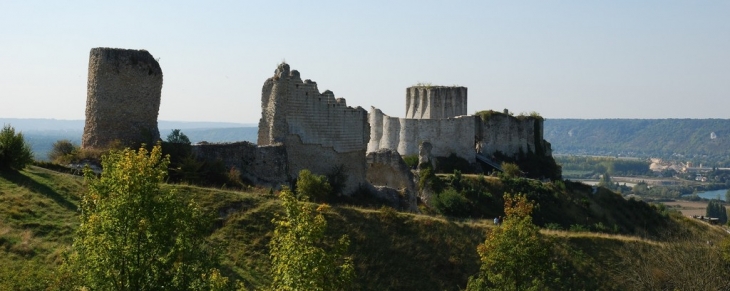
(435,102)
(123,98)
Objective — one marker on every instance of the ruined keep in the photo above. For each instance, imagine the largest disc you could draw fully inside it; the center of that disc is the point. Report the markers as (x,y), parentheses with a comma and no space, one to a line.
(320,132)
(123,98)
(435,102)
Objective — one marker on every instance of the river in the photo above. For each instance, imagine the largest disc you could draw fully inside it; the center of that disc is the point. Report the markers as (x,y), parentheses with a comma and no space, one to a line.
(713,194)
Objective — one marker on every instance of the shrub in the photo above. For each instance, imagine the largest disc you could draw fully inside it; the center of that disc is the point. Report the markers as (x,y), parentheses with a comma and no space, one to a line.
(15,153)
(63,152)
(428,180)
(411,160)
(452,203)
(314,187)
(234,177)
(511,170)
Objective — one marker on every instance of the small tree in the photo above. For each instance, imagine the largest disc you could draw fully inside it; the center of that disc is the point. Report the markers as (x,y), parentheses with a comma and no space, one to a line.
(15,153)
(313,186)
(176,136)
(62,151)
(515,256)
(511,170)
(716,209)
(299,260)
(135,235)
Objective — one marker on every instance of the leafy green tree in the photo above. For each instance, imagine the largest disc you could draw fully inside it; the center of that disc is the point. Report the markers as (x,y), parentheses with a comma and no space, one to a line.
(727,195)
(298,255)
(137,235)
(176,136)
(315,187)
(516,256)
(15,153)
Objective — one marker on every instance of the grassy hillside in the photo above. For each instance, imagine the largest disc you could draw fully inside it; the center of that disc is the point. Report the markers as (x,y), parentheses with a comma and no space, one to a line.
(392,251)
(640,137)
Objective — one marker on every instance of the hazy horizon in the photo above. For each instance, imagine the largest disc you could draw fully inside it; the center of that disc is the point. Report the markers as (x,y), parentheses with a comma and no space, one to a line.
(574,59)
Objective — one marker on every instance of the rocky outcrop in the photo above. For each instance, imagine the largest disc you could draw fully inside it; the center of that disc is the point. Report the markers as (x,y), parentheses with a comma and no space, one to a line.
(390,174)
(123,98)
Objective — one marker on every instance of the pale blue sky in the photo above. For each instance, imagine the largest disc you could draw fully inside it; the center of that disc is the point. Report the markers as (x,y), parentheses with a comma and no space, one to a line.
(564,59)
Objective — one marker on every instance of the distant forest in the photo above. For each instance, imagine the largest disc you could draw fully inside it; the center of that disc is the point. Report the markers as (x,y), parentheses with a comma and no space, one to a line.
(700,140)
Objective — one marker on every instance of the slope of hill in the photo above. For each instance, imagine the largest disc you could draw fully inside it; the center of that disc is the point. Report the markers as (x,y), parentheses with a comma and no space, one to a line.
(640,137)
(392,251)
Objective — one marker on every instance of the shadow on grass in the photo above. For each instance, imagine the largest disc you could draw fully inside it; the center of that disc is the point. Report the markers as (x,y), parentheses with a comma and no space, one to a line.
(22,180)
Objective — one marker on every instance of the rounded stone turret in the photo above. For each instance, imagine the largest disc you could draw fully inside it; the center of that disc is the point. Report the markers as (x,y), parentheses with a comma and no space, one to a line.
(123,98)
(435,102)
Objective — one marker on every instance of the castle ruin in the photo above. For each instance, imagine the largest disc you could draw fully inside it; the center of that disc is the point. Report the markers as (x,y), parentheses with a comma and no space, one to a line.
(320,132)
(437,115)
(123,98)
(301,128)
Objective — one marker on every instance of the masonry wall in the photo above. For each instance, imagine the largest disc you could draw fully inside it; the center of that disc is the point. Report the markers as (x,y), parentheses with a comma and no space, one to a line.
(123,98)
(510,135)
(318,130)
(435,102)
(262,165)
(450,135)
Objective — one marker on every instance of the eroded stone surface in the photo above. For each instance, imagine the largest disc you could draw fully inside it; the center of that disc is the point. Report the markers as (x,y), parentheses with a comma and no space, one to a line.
(318,131)
(387,169)
(435,102)
(123,98)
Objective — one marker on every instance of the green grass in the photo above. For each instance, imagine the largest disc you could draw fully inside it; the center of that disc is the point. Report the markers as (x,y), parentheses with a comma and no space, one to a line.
(391,250)
(37,221)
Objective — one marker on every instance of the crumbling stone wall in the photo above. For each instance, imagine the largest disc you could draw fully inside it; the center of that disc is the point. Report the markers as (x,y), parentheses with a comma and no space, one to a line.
(123,98)
(450,135)
(319,131)
(435,102)
(510,135)
(262,165)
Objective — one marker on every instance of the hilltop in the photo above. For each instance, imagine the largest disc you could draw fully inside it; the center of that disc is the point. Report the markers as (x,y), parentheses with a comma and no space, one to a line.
(391,250)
